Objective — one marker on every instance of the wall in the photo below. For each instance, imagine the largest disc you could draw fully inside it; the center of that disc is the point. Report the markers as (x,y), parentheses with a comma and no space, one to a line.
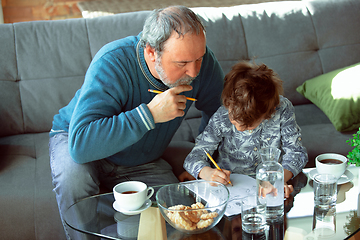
(30,10)
(1,14)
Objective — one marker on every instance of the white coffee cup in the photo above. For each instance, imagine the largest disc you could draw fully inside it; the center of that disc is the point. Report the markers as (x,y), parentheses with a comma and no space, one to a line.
(132,195)
(325,164)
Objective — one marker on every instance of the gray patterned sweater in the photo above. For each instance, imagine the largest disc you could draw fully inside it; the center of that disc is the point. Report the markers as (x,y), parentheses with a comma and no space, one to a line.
(238,151)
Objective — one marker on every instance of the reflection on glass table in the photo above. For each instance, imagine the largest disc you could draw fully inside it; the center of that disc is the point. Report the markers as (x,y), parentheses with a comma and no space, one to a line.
(303,219)
(97,218)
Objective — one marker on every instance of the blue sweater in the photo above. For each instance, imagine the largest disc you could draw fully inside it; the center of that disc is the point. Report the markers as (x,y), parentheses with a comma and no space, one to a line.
(109,118)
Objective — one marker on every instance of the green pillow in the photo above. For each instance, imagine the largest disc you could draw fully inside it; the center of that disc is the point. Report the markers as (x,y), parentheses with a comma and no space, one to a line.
(337,94)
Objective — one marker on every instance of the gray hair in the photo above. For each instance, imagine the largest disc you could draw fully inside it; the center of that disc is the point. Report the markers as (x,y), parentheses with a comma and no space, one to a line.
(162,22)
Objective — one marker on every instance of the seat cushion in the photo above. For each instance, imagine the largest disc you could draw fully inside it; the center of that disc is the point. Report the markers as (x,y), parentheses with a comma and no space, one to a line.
(27,203)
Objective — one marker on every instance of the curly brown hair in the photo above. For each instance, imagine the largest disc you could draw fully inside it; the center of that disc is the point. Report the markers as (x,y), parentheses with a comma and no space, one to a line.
(251,92)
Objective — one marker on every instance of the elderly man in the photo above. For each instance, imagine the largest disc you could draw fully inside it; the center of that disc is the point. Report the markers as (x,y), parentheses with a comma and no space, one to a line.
(114,129)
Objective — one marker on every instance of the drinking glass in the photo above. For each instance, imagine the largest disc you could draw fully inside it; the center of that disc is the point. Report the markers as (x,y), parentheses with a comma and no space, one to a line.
(253,215)
(325,191)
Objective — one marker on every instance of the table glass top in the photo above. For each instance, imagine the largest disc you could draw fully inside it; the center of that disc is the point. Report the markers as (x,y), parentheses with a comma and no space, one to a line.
(299,219)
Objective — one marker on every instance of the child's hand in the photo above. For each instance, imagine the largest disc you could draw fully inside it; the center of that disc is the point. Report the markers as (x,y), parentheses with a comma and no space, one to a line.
(287,190)
(185,176)
(265,188)
(213,174)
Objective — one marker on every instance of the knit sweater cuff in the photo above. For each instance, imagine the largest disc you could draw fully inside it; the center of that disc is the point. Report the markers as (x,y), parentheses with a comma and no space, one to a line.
(146,116)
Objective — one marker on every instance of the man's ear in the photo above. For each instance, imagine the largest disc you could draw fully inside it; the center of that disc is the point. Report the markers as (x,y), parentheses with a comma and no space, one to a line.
(150,52)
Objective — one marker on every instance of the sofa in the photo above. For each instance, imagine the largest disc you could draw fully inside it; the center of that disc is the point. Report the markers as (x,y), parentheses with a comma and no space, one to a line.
(43,63)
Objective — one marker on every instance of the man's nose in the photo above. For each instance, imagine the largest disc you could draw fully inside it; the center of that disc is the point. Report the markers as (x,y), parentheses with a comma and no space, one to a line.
(193,69)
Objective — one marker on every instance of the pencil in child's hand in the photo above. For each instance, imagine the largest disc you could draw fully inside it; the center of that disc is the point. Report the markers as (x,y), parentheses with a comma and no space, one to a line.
(213,161)
(157,91)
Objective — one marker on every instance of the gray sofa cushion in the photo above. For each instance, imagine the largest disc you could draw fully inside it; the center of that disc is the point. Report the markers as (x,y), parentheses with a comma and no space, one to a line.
(27,203)
(318,133)
(110,28)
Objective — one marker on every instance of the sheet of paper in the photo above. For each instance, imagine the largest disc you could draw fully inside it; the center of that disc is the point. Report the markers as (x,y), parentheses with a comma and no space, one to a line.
(152,225)
(243,186)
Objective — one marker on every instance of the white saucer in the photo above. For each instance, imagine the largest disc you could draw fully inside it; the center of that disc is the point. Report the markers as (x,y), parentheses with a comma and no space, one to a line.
(345,178)
(145,206)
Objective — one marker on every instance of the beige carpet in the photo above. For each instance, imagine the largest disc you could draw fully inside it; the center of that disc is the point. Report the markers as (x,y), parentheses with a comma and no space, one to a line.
(91,9)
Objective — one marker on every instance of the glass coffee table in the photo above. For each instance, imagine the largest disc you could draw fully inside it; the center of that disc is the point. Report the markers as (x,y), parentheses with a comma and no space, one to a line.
(299,220)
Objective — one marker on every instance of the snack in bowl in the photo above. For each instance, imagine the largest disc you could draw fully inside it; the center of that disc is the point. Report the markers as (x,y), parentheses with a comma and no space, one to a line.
(190,220)
(193,207)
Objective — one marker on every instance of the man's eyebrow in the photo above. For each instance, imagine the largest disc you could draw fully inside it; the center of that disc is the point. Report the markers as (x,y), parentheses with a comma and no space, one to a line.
(189,61)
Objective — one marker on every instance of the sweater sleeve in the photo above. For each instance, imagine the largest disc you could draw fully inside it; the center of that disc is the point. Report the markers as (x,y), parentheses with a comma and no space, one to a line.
(100,125)
(208,140)
(295,157)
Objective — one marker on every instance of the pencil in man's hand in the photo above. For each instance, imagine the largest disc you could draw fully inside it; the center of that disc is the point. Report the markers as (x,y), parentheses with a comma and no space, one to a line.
(157,91)
(213,161)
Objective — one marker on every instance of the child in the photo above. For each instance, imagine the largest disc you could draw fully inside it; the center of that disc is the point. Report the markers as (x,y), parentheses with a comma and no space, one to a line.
(254,115)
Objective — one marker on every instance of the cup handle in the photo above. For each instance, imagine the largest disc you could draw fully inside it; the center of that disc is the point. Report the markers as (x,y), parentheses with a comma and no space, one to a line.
(150,191)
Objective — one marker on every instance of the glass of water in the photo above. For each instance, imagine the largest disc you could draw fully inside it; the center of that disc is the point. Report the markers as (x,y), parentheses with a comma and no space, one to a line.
(253,215)
(325,191)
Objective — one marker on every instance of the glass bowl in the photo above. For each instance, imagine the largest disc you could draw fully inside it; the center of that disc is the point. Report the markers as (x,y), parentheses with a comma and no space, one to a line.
(194,206)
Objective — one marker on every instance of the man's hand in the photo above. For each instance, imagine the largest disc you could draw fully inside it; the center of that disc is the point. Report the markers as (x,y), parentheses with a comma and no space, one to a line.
(168,105)
(213,174)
